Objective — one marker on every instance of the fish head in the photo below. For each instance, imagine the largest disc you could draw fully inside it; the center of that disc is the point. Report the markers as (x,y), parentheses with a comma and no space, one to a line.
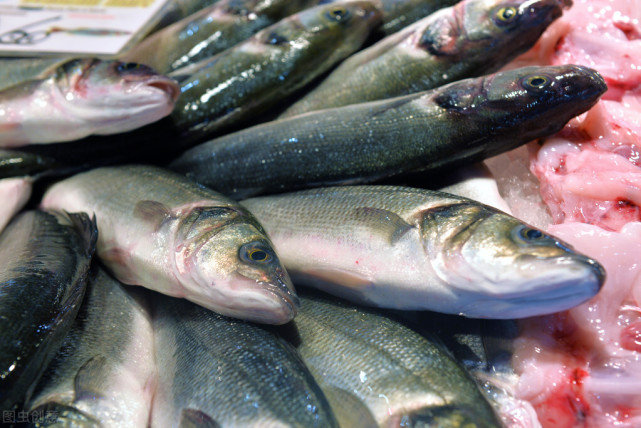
(500,265)
(322,35)
(115,96)
(233,267)
(476,29)
(524,103)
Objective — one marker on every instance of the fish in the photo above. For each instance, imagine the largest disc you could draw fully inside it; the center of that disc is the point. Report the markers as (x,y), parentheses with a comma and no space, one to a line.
(210,31)
(14,70)
(398,14)
(414,249)
(45,258)
(15,163)
(472,38)
(14,194)
(105,371)
(369,364)
(245,80)
(215,371)
(84,97)
(450,126)
(162,231)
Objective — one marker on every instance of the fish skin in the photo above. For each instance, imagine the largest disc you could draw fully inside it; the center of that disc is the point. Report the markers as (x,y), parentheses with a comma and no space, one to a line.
(457,124)
(169,234)
(401,377)
(414,249)
(229,373)
(14,194)
(45,259)
(210,31)
(71,102)
(105,370)
(454,43)
(14,70)
(219,92)
(14,163)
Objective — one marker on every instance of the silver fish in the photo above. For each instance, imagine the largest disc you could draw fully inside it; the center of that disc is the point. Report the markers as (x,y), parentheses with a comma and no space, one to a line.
(407,248)
(219,372)
(166,233)
(105,372)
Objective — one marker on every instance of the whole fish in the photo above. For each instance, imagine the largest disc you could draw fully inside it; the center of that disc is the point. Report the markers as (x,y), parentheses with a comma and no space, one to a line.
(245,80)
(368,364)
(105,371)
(472,38)
(45,262)
(83,97)
(219,372)
(169,234)
(456,124)
(14,163)
(210,31)
(406,248)
(14,194)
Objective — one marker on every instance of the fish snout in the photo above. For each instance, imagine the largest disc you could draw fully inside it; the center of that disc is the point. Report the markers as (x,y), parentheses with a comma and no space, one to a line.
(538,11)
(585,82)
(166,85)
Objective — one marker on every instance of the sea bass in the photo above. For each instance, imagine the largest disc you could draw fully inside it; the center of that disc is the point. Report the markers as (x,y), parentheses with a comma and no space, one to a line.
(473,38)
(45,262)
(406,248)
(166,233)
(220,92)
(210,31)
(84,97)
(105,372)
(378,373)
(14,163)
(460,123)
(219,372)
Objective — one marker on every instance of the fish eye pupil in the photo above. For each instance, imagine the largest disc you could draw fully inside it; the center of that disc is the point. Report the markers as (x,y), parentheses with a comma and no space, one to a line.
(337,14)
(127,66)
(537,81)
(506,14)
(532,234)
(258,255)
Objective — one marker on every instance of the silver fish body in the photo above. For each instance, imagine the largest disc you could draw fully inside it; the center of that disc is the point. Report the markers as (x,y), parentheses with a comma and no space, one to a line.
(165,232)
(210,31)
(457,124)
(14,70)
(472,38)
(414,249)
(219,372)
(105,372)
(83,97)
(45,262)
(368,364)
(220,92)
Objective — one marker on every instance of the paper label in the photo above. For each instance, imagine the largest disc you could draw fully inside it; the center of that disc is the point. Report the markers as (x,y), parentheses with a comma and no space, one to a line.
(88,27)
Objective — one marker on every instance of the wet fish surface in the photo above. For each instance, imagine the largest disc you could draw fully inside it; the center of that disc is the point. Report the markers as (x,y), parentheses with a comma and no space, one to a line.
(83,97)
(14,163)
(219,372)
(104,373)
(14,70)
(210,31)
(456,124)
(45,262)
(165,232)
(14,194)
(472,38)
(230,87)
(415,249)
(368,364)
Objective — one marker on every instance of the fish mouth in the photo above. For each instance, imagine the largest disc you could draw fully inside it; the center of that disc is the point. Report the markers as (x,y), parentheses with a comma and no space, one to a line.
(165,85)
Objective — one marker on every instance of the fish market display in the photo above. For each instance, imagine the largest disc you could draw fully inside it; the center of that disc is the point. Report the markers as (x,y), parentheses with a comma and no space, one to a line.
(165,232)
(83,97)
(245,80)
(474,37)
(460,123)
(580,368)
(395,376)
(45,261)
(14,194)
(210,31)
(406,248)
(105,373)
(219,372)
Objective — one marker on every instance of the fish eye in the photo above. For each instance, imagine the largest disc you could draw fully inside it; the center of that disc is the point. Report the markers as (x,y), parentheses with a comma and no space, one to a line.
(337,14)
(256,252)
(506,15)
(536,82)
(529,235)
(276,39)
(127,66)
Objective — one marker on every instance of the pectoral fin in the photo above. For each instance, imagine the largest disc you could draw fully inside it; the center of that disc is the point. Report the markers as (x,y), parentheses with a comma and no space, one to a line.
(192,418)
(152,212)
(384,222)
(90,379)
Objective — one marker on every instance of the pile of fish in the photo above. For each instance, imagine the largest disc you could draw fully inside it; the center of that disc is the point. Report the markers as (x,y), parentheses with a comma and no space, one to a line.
(170,213)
